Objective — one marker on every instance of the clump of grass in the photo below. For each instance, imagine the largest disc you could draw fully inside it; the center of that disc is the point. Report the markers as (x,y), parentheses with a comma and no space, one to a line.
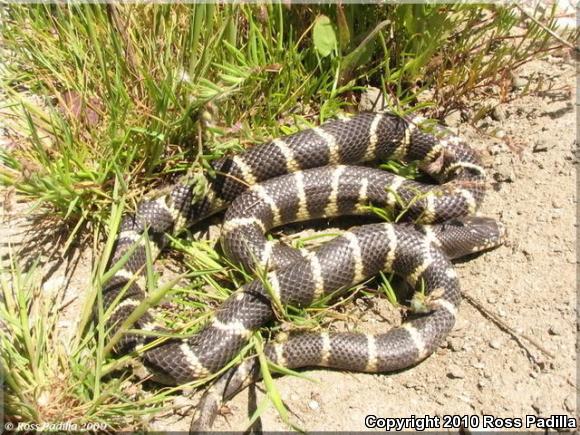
(48,379)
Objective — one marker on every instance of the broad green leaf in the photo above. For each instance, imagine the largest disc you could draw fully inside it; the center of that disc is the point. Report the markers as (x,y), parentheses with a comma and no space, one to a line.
(324,36)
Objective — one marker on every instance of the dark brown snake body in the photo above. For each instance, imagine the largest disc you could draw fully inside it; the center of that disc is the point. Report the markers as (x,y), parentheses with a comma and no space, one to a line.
(306,179)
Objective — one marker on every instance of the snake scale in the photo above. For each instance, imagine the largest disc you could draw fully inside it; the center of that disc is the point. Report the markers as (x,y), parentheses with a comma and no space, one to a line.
(304,176)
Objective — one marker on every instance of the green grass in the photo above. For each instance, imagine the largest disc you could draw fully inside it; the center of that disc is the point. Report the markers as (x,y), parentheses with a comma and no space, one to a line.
(48,379)
(103,104)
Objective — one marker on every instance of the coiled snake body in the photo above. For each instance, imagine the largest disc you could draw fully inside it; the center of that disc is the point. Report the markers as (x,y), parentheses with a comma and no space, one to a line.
(301,177)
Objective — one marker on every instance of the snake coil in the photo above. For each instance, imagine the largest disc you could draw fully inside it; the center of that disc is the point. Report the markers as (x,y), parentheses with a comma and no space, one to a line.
(305,176)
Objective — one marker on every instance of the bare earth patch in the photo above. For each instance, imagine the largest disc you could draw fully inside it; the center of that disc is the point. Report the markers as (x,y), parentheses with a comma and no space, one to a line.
(528,286)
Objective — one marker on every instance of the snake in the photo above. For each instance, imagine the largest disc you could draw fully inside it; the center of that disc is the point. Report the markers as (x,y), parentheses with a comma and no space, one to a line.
(322,172)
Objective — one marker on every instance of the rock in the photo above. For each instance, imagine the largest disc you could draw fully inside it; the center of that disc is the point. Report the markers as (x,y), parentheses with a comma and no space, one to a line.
(538,406)
(569,404)
(455,344)
(188,391)
(213,233)
(53,285)
(540,146)
(455,372)
(495,344)
(314,405)
(500,134)
(554,330)
(454,118)
(498,114)
(519,82)
(505,174)
(485,122)
(372,100)
(182,402)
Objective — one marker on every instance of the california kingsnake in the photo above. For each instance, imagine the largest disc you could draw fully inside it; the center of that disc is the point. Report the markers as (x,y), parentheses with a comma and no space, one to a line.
(307,179)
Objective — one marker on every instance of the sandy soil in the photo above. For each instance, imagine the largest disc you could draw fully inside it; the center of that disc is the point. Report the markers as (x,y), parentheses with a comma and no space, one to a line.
(525,289)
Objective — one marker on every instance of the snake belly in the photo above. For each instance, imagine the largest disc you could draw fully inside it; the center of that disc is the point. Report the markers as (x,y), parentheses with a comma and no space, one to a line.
(298,278)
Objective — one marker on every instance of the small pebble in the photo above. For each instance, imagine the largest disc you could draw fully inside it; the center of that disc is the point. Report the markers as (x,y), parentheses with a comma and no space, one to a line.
(569,403)
(500,134)
(495,344)
(456,373)
(182,402)
(53,285)
(498,114)
(188,391)
(519,82)
(453,119)
(213,232)
(372,100)
(485,122)
(538,406)
(554,330)
(504,174)
(454,344)
(314,405)
(540,146)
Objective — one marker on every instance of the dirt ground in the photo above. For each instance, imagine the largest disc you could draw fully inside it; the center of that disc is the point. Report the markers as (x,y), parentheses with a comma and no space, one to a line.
(521,291)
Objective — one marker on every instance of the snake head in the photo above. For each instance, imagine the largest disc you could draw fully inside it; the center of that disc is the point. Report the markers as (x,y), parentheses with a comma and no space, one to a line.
(467,235)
